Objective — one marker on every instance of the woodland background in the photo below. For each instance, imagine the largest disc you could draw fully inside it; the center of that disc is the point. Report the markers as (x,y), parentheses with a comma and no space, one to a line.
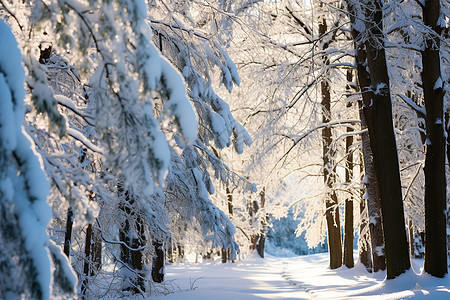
(125,133)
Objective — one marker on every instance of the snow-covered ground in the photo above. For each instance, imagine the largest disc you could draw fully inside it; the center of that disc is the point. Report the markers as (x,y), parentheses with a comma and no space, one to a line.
(301,277)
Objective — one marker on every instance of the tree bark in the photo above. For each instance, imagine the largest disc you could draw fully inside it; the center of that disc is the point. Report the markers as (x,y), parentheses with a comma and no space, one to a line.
(180,248)
(411,238)
(260,246)
(372,190)
(378,113)
(229,201)
(365,241)
(331,201)
(158,262)
(93,256)
(373,202)
(348,228)
(226,253)
(45,55)
(257,241)
(364,236)
(131,233)
(383,145)
(68,234)
(435,182)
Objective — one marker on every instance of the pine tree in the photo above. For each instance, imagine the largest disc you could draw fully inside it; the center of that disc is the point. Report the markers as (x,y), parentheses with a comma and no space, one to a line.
(27,256)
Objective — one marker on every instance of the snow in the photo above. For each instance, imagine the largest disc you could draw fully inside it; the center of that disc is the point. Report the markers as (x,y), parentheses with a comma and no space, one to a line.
(438,84)
(178,102)
(380,90)
(6,116)
(374,219)
(380,250)
(22,180)
(301,277)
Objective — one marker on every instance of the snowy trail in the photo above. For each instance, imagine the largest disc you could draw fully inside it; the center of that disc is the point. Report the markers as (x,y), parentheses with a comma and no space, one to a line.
(253,278)
(304,277)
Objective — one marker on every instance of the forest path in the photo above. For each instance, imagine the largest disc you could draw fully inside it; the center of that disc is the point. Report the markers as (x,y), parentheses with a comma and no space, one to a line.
(302,277)
(251,279)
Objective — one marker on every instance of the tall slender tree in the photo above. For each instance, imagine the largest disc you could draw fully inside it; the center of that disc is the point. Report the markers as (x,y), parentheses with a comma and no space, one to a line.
(435,181)
(349,165)
(329,167)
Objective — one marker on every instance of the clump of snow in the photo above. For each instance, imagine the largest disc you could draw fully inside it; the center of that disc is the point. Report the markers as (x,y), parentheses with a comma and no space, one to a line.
(438,84)
(178,103)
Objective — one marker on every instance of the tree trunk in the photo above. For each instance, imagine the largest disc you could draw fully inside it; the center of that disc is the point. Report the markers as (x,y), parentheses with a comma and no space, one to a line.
(257,241)
(365,246)
(372,191)
(226,252)
(229,201)
(93,256)
(131,233)
(348,226)
(411,238)
(364,237)
(45,55)
(180,252)
(447,122)
(331,201)
(253,209)
(158,262)
(378,114)
(260,246)
(382,140)
(373,202)
(68,234)
(435,182)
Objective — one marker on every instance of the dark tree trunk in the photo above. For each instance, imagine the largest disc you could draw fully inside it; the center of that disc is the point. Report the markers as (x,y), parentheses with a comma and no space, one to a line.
(158,262)
(331,201)
(229,201)
(180,252)
(411,238)
(224,254)
(261,245)
(264,222)
(373,203)
(257,241)
(253,208)
(447,122)
(131,253)
(365,246)
(92,253)
(45,55)
(372,189)
(348,226)
(87,254)
(131,233)
(364,243)
(435,182)
(378,114)
(383,145)
(68,234)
